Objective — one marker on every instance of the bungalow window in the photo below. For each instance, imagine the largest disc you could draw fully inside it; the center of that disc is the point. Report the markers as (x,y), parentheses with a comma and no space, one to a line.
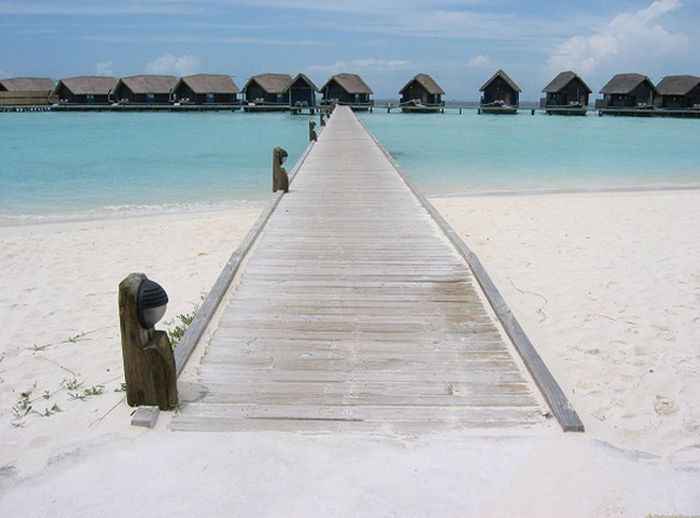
(210,98)
(280,97)
(90,99)
(150,98)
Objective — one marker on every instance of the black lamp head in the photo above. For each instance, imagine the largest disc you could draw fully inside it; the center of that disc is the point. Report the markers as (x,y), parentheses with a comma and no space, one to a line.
(150,303)
(283,156)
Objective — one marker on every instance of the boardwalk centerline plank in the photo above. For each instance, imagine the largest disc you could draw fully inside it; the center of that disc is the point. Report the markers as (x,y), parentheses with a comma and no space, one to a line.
(355,312)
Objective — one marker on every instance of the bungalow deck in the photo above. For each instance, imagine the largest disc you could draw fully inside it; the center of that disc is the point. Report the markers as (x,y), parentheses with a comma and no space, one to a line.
(357,308)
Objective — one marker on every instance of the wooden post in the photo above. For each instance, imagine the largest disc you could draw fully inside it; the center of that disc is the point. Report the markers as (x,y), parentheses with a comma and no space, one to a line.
(322,118)
(149,363)
(280,180)
(312,131)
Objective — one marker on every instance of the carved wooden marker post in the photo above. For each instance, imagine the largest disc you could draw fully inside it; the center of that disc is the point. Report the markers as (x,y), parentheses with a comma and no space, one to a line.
(312,132)
(149,363)
(280,180)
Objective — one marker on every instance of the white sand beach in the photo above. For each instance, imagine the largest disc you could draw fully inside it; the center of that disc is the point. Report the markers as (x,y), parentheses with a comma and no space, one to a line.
(607,286)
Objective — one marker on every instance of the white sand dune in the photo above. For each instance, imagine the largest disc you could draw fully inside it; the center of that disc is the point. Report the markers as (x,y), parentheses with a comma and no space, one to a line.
(607,286)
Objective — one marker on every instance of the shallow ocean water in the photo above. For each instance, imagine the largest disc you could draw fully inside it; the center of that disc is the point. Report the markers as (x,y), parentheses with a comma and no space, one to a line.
(63,165)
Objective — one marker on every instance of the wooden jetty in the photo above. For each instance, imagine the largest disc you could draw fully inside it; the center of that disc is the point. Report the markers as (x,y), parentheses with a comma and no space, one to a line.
(359,309)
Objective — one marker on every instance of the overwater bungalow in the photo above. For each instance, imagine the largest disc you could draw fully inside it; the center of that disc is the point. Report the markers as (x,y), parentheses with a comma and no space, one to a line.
(25,91)
(145,89)
(422,95)
(84,90)
(500,95)
(302,92)
(347,89)
(267,91)
(206,89)
(628,92)
(679,93)
(567,94)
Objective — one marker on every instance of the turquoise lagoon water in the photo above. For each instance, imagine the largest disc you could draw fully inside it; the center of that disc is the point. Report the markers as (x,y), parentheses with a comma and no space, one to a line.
(67,165)
(468,153)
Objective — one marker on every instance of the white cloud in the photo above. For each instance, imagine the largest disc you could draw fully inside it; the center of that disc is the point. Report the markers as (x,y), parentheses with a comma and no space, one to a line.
(629,41)
(479,61)
(104,68)
(178,65)
(365,64)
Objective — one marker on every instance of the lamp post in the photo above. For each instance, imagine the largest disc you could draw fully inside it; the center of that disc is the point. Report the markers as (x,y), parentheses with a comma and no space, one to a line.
(149,363)
(280,180)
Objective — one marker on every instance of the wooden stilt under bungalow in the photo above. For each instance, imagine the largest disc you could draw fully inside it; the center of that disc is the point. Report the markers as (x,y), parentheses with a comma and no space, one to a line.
(145,89)
(567,94)
(207,89)
(422,95)
(349,90)
(267,92)
(26,91)
(85,90)
(500,95)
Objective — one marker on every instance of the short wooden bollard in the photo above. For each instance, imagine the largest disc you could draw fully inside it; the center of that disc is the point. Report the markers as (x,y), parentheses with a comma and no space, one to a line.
(322,119)
(280,180)
(149,363)
(313,137)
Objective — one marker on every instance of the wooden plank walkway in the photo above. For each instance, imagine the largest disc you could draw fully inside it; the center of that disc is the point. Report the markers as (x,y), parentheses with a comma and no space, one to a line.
(354,312)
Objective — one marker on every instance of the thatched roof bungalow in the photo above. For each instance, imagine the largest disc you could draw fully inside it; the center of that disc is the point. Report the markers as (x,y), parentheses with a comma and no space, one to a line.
(85,89)
(628,91)
(302,91)
(500,88)
(677,92)
(206,89)
(567,89)
(145,89)
(268,89)
(25,90)
(422,89)
(347,89)
(26,85)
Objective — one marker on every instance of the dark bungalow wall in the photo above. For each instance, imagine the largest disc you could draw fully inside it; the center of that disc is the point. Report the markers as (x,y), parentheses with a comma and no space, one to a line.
(335,91)
(415,90)
(575,91)
(255,91)
(185,92)
(680,101)
(64,94)
(302,92)
(125,93)
(499,90)
(640,95)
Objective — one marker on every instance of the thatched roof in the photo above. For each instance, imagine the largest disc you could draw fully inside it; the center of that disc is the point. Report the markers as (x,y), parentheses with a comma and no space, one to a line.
(562,80)
(426,82)
(503,76)
(305,78)
(677,85)
(351,83)
(624,84)
(270,83)
(87,85)
(149,84)
(210,84)
(27,84)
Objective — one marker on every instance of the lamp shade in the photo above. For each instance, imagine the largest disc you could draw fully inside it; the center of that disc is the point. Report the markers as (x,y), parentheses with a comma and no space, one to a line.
(151,303)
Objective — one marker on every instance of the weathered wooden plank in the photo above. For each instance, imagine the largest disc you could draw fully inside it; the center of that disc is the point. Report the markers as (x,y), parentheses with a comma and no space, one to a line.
(354,301)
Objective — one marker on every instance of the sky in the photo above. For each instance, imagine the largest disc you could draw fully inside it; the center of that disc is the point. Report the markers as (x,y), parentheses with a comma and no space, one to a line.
(461,43)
